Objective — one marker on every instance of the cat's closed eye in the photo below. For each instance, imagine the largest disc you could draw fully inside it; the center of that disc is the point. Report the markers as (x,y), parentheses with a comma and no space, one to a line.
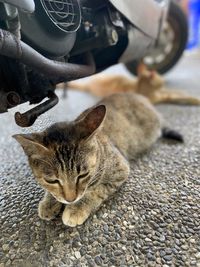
(55,181)
(82,176)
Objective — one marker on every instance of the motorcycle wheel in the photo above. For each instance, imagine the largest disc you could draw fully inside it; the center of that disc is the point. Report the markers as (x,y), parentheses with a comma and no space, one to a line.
(171,46)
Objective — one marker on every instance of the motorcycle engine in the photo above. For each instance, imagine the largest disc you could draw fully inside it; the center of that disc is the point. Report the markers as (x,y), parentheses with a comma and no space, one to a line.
(51,29)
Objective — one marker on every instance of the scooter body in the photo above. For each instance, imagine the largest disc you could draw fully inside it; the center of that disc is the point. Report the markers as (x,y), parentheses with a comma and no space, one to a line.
(44,42)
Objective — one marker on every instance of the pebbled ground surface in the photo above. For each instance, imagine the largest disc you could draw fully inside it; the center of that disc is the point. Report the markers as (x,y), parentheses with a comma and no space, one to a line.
(154,220)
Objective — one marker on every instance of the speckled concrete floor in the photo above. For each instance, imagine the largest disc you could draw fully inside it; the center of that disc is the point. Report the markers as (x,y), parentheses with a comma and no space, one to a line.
(153,220)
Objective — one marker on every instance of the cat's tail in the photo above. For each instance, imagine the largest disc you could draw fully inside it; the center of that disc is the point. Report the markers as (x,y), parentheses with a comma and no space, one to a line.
(172,134)
(74,85)
(80,86)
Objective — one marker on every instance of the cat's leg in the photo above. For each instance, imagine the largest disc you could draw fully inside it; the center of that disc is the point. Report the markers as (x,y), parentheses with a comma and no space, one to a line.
(175,97)
(77,214)
(182,99)
(48,207)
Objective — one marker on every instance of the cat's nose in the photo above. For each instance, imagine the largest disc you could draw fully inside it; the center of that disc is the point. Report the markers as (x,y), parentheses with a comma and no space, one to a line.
(69,191)
(70,195)
(70,198)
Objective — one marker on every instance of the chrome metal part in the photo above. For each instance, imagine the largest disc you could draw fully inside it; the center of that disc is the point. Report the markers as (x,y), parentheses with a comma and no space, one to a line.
(138,47)
(24,5)
(144,14)
(65,14)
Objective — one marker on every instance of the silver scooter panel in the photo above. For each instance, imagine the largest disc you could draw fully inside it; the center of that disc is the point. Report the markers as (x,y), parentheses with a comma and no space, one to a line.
(144,14)
(24,5)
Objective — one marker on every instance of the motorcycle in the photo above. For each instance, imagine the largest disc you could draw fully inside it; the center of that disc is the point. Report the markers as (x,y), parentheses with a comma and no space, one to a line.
(46,42)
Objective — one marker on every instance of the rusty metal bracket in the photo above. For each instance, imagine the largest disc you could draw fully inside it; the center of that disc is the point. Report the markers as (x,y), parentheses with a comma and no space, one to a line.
(28,118)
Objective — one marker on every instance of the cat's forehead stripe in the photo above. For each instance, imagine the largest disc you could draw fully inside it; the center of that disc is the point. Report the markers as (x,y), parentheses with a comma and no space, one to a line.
(67,156)
(78,168)
(59,160)
(62,134)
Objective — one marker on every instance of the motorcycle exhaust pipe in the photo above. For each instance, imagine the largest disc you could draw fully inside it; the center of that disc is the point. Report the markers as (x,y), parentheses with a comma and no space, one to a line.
(13,47)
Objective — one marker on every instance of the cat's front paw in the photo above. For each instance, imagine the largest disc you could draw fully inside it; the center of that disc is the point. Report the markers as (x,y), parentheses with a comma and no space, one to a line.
(48,212)
(73,216)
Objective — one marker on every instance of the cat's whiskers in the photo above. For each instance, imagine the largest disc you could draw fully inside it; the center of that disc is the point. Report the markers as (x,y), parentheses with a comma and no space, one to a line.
(96,176)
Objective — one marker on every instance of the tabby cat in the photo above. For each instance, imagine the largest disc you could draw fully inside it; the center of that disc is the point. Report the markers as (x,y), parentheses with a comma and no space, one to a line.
(149,83)
(83,162)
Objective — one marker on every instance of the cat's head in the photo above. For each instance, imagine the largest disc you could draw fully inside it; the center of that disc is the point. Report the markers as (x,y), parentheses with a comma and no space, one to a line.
(149,78)
(64,158)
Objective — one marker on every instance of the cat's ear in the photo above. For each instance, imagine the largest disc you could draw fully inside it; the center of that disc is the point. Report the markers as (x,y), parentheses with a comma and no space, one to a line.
(141,69)
(92,121)
(144,72)
(31,144)
(152,74)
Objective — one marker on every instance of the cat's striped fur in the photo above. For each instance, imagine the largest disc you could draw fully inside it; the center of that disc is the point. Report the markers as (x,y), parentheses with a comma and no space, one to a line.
(83,162)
